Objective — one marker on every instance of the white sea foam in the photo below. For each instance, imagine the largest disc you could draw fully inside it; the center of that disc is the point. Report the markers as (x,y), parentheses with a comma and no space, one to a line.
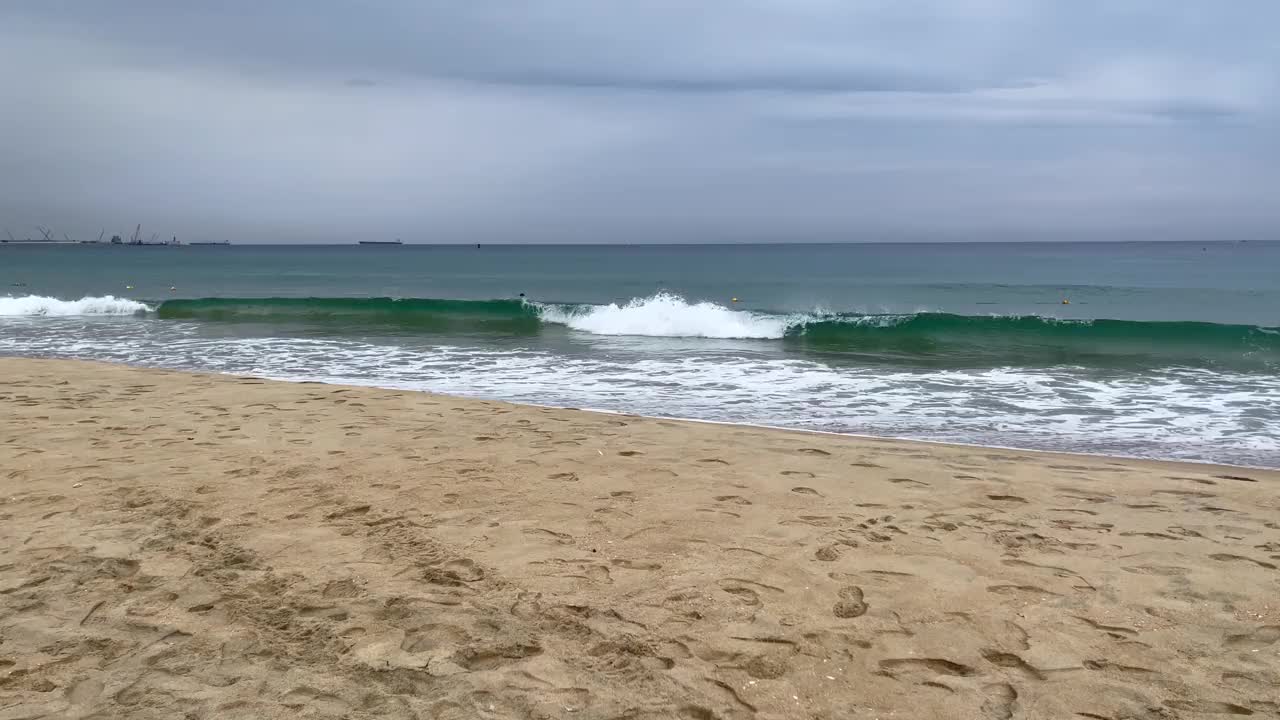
(38,305)
(666,315)
(1194,414)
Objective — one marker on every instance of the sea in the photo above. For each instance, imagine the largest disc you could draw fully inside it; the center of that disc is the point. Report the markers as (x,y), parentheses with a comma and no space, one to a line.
(1153,350)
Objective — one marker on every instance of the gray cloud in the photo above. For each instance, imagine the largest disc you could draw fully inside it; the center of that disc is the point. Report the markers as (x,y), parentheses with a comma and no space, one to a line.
(581,120)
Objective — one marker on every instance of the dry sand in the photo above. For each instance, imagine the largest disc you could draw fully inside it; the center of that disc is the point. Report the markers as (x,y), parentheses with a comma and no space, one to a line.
(197,546)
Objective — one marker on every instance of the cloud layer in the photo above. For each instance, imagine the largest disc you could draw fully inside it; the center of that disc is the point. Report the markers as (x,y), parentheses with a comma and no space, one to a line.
(590,121)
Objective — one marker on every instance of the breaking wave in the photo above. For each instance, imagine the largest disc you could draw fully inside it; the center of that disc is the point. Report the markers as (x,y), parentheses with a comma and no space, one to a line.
(37,306)
(926,337)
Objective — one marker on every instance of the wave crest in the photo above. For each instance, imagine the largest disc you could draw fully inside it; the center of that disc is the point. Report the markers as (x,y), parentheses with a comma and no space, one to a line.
(41,306)
(666,315)
(928,338)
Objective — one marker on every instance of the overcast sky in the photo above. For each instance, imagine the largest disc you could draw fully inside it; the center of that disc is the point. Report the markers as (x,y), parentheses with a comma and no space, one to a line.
(632,121)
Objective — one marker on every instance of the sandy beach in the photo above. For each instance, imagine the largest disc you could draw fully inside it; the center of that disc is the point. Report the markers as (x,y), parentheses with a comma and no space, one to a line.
(196,546)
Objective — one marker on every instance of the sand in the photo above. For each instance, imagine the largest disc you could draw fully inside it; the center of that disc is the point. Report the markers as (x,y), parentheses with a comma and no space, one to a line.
(195,546)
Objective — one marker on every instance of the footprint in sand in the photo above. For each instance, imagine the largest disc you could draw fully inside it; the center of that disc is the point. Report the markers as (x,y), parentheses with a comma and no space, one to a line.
(1024,591)
(744,595)
(936,666)
(1085,495)
(1000,702)
(319,612)
(85,691)
(558,537)
(1007,498)
(828,553)
(431,637)
(495,656)
(1104,665)
(1115,631)
(354,510)
(850,604)
(767,667)
(802,490)
(746,591)
(464,569)
(321,702)
(1226,557)
(1262,637)
(341,589)
(1008,660)
(1208,707)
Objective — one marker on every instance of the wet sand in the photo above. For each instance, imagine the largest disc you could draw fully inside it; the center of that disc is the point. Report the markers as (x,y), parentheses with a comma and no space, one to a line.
(181,545)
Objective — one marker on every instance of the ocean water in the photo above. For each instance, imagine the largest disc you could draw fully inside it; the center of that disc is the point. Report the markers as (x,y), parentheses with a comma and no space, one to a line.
(1164,350)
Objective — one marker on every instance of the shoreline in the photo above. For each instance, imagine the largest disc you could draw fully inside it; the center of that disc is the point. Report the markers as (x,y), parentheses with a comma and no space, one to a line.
(219,545)
(727,423)
(891,438)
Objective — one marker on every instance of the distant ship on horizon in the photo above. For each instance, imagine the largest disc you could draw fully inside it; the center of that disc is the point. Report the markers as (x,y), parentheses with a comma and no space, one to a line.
(397,241)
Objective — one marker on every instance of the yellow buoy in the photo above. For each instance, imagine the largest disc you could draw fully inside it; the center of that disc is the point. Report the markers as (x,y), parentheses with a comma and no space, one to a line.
(128,287)
(735,299)
(1066,301)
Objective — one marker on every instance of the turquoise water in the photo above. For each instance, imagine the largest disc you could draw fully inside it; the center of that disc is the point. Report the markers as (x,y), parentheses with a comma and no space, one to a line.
(1159,350)
(1231,283)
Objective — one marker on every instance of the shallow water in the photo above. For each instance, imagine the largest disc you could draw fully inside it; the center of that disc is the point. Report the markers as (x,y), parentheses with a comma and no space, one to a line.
(1164,350)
